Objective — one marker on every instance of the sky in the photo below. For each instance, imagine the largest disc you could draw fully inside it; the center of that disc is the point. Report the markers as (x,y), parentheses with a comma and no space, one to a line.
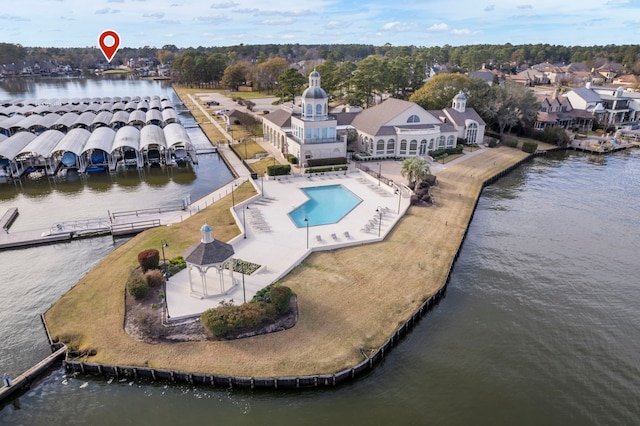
(193,23)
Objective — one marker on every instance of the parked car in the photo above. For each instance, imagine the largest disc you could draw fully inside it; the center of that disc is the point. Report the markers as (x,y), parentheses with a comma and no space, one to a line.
(222,112)
(213,103)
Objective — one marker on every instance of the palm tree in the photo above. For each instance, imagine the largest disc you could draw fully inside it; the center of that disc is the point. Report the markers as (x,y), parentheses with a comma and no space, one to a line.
(421,170)
(415,170)
(407,169)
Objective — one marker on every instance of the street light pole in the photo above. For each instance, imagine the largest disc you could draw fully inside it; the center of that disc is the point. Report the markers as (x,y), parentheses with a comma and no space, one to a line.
(379,211)
(244,292)
(306,220)
(244,222)
(233,197)
(379,172)
(399,198)
(164,244)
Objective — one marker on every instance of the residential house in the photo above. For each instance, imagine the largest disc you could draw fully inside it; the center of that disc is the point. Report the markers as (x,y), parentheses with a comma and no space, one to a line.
(609,105)
(557,111)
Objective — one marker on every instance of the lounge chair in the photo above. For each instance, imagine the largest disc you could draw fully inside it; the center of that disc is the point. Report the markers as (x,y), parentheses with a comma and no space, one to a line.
(335,237)
(346,235)
(318,238)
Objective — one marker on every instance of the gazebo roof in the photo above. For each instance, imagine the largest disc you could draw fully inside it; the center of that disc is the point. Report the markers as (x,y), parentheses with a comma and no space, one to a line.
(212,253)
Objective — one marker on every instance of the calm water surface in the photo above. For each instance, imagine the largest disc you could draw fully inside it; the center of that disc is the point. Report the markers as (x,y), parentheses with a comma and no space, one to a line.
(539,324)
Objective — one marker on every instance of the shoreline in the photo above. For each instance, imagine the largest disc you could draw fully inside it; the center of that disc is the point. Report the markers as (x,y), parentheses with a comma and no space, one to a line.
(326,341)
(347,356)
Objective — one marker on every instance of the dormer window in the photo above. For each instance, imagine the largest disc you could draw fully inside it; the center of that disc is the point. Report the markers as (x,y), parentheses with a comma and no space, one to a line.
(413,119)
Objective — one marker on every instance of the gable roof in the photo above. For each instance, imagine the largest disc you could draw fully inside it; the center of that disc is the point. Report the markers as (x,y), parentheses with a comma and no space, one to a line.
(279,117)
(587,94)
(372,119)
(459,118)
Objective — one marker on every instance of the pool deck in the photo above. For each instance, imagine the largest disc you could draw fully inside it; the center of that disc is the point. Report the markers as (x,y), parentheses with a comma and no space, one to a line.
(278,245)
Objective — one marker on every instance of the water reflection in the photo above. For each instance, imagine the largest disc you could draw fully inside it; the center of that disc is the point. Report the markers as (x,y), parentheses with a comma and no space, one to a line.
(99,182)
(156,177)
(183,176)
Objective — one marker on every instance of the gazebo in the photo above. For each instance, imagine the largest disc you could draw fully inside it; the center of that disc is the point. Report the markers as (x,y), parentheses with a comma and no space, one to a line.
(206,255)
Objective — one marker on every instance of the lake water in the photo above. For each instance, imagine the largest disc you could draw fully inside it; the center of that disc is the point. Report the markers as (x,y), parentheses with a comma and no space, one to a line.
(539,324)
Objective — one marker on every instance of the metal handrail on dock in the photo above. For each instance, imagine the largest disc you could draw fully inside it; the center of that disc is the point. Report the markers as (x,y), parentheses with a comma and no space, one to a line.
(133,227)
(139,212)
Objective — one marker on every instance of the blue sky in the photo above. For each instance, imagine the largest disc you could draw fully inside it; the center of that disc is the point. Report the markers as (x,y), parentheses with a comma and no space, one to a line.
(184,23)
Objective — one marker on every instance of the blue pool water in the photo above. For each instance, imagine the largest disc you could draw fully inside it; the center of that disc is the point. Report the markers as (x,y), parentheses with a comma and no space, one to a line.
(326,205)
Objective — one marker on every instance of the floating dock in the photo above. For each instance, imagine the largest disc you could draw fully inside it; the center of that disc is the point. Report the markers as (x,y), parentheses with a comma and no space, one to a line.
(118,224)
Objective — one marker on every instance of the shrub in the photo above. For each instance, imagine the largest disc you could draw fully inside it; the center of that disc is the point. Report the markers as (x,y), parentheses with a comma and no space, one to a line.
(226,319)
(512,143)
(292,159)
(279,170)
(154,278)
(492,143)
(280,297)
(149,259)
(529,147)
(315,162)
(137,286)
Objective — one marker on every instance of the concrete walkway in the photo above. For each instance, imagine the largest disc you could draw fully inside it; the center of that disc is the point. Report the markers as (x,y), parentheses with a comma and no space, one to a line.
(271,239)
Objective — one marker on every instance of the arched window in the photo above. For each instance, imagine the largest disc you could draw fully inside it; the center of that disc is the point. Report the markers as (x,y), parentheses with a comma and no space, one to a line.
(380,147)
(413,147)
(441,141)
(319,109)
(472,133)
(450,141)
(413,119)
(309,110)
(391,146)
(432,145)
(423,147)
(403,147)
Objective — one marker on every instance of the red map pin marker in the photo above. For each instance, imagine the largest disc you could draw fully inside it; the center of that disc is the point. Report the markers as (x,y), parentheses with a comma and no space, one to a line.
(109,42)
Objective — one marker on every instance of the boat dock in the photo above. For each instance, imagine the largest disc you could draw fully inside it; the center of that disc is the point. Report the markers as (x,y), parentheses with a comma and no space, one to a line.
(117,224)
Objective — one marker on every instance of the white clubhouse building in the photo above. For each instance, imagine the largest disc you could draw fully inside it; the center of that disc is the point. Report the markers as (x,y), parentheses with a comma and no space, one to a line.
(392,129)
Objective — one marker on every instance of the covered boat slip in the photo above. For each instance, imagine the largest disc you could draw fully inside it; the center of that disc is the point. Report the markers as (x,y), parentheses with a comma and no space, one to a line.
(90,134)
(88,151)
(44,114)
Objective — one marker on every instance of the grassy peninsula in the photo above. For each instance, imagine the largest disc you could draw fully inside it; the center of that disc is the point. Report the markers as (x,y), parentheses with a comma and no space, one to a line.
(350,300)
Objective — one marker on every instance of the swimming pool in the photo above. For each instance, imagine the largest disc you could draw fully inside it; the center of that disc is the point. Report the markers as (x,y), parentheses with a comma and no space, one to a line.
(326,205)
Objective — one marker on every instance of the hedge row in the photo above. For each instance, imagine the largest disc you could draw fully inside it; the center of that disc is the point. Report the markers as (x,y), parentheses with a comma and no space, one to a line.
(278,169)
(265,306)
(316,162)
(449,151)
(326,169)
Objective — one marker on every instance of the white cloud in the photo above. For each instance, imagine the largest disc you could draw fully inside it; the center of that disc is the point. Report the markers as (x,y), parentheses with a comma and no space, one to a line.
(490,8)
(525,6)
(106,10)
(283,21)
(157,15)
(398,26)
(442,27)
(211,18)
(617,2)
(224,5)
(14,18)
